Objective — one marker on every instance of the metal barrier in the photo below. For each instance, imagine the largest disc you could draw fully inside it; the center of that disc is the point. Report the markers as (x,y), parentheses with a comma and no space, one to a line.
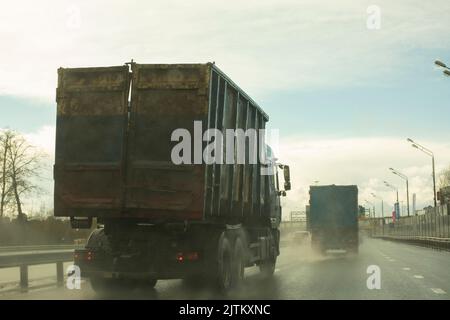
(39,248)
(24,260)
(431,228)
(431,242)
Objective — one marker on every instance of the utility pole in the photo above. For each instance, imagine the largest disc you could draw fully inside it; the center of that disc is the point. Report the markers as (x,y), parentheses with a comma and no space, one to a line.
(404,177)
(397,204)
(382,203)
(431,154)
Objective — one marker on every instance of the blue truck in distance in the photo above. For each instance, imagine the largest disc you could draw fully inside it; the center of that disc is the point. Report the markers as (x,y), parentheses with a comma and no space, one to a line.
(333,218)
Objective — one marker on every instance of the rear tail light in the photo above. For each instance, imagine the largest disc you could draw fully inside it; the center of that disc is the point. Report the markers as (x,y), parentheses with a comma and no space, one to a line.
(89,256)
(189,256)
(83,255)
(180,257)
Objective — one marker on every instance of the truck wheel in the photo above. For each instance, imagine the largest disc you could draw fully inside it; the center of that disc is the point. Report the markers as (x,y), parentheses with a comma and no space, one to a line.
(225,267)
(267,267)
(238,262)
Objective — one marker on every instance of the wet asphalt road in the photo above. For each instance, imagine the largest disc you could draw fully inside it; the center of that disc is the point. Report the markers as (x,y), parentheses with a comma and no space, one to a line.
(406,271)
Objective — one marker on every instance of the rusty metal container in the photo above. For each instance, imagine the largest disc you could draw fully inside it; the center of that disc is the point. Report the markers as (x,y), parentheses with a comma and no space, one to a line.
(113,145)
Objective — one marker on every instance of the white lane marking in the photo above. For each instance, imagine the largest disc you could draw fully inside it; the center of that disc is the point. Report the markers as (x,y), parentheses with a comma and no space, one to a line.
(391,260)
(417,276)
(407,269)
(438,291)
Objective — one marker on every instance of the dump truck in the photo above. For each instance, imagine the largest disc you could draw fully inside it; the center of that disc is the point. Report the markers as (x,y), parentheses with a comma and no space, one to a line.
(162,209)
(333,218)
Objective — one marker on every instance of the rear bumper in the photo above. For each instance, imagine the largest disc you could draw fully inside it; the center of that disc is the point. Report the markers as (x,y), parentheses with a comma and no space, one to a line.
(136,268)
(340,246)
(336,239)
(118,275)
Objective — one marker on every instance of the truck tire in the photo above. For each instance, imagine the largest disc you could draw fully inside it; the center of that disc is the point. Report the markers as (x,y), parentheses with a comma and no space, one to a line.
(224,265)
(98,240)
(238,262)
(267,267)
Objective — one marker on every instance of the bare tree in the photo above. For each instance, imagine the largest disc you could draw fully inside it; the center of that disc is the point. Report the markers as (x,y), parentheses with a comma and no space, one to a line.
(444,178)
(24,164)
(6,136)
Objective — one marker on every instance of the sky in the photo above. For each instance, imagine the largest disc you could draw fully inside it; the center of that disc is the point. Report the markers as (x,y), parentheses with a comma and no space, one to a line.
(344,93)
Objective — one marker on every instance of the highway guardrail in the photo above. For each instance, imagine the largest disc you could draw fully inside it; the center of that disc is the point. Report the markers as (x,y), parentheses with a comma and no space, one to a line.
(433,242)
(39,247)
(25,259)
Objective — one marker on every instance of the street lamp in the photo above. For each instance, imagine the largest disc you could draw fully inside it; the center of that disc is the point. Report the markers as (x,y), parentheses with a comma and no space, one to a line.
(373,206)
(404,177)
(440,64)
(397,205)
(392,187)
(444,66)
(382,203)
(431,154)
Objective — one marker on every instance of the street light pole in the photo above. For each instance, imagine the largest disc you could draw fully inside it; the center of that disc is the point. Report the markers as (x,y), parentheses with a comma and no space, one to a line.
(373,207)
(447,73)
(401,175)
(434,181)
(382,203)
(392,187)
(396,190)
(431,154)
(444,66)
(407,195)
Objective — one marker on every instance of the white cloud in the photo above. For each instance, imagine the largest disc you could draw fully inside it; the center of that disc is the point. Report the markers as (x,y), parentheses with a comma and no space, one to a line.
(44,138)
(267,45)
(360,161)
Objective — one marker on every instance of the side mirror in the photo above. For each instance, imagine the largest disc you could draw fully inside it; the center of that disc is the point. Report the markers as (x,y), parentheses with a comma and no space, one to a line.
(287,178)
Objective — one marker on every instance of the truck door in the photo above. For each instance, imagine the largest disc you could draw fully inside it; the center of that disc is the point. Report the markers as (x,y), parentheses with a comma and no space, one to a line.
(164,98)
(92,116)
